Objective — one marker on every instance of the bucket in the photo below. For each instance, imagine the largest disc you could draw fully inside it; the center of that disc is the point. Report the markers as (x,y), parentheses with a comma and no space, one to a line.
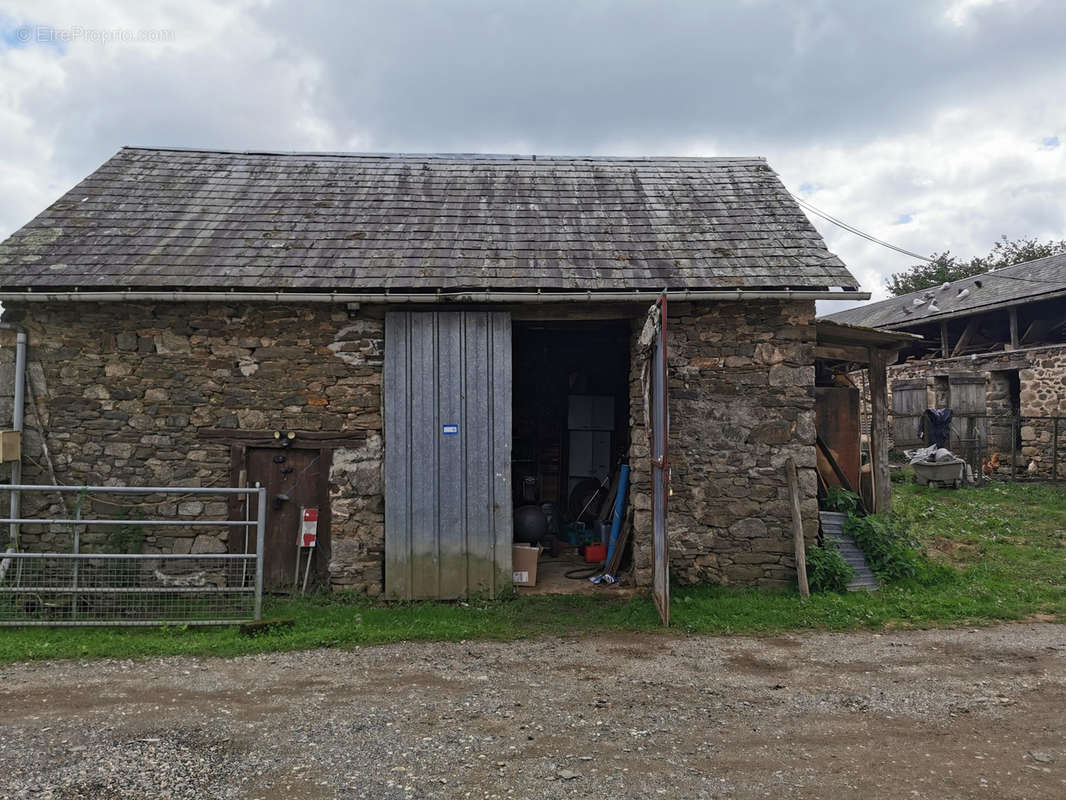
(574,532)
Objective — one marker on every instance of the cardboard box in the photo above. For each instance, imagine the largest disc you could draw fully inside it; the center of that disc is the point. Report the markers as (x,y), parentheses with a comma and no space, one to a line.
(10,445)
(524,564)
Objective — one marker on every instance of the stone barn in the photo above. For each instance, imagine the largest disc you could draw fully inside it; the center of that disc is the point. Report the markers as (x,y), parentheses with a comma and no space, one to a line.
(416,345)
(992,348)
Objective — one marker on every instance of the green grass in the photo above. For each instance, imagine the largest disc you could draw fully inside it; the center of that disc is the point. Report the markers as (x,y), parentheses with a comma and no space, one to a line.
(1005,545)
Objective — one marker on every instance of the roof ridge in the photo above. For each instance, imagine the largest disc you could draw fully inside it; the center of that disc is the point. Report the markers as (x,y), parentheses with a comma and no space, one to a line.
(976,276)
(441,156)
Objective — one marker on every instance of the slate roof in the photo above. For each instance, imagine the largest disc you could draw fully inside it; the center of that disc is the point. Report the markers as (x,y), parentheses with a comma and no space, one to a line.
(185,219)
(1021,283)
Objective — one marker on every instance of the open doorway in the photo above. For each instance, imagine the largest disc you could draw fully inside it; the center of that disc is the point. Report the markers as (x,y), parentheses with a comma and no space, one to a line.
(570,436)
(1005,406)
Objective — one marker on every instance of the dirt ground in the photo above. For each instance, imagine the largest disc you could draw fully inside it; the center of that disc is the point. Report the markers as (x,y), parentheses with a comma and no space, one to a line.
(551,578)
(930,714)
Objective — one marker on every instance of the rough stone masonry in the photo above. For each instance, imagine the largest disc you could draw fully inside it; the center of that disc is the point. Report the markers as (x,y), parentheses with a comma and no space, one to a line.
(124,392)
(741,403)
(1041,378)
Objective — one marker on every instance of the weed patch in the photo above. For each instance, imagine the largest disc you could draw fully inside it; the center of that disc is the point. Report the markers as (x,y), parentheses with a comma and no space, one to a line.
(890,550)
(827,571)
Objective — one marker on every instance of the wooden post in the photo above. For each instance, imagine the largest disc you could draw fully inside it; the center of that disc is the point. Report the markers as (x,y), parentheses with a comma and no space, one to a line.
(797,528)
(1013,313)
(1055,449)
(879,473)
(945,349)
(967,334)
(1013,447)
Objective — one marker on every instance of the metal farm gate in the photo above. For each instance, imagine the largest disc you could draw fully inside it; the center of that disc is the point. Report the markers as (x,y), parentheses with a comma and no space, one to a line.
(131,588)
(447,454)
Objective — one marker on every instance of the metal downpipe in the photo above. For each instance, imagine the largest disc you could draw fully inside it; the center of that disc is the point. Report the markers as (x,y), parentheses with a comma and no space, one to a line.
(17,418)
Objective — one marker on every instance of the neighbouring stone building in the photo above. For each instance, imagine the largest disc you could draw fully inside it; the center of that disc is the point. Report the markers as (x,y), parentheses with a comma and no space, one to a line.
(994,351)
(402,342)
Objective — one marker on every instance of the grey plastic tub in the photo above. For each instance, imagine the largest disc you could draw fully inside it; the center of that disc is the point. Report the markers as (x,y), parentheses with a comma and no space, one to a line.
(948,473)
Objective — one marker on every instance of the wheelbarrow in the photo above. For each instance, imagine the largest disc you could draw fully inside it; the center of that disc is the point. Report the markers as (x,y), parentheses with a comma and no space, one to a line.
(943,474)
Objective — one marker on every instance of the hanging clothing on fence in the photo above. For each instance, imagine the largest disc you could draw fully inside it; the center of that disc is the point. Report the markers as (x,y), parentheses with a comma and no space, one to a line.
(935,426)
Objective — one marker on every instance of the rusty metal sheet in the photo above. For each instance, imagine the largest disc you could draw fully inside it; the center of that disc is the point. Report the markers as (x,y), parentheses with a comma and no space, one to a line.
(836,419)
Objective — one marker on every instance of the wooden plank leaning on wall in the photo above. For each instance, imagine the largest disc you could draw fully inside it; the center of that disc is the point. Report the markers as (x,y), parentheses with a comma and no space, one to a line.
(882,484)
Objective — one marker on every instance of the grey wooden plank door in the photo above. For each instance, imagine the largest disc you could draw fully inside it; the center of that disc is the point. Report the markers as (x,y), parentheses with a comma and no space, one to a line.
(909,401)
(969,428)
(447,454)
(660,468)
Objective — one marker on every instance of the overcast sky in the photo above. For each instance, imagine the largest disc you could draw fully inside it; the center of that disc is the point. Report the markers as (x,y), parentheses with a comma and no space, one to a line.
(934,125)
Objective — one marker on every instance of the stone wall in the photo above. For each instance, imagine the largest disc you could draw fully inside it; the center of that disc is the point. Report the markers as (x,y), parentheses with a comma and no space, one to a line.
(125,391)
(1042,383)
(741,403)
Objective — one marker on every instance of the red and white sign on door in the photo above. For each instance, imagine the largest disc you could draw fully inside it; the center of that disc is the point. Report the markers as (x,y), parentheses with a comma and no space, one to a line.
(308,527)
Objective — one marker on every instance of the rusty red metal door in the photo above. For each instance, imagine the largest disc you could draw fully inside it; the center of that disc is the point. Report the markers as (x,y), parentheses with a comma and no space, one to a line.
(659,433)
(293,479)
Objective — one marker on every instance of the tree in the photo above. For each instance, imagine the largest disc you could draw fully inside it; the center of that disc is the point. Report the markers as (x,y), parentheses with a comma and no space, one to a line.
(945,267)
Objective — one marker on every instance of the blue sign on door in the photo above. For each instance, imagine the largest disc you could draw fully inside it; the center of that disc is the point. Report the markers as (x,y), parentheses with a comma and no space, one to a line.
(449,430)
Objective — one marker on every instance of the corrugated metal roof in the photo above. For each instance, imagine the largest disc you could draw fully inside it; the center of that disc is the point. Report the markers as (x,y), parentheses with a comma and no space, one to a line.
(172,218)
(1021,283)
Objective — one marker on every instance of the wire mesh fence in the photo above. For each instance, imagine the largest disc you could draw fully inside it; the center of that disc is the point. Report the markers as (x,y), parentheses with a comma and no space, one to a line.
(130,588)
(1001,447)
(106,589)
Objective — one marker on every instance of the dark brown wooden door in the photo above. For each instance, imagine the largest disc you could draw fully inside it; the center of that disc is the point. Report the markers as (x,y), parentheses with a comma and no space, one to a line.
(293,479)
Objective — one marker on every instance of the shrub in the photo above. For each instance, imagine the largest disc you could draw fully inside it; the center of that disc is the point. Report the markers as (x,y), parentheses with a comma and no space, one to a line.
(827,571)
(891,552)
(839,499)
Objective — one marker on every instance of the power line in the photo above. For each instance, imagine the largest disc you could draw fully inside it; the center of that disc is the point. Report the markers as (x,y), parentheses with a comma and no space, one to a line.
(852,229)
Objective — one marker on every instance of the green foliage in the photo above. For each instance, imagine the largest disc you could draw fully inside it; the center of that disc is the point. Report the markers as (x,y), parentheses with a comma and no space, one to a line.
(946,268)
(124,540)
(121,539)
(840,499)
(827,571)
(886,542)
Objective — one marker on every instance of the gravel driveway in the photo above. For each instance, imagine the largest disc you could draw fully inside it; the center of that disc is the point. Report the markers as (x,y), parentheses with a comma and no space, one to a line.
(953,713)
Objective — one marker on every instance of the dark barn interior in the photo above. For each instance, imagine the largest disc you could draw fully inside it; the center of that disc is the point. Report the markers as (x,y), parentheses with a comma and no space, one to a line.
(571,433)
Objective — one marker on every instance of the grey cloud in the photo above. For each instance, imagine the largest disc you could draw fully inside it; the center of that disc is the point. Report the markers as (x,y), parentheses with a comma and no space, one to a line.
(579,75)
(824,89)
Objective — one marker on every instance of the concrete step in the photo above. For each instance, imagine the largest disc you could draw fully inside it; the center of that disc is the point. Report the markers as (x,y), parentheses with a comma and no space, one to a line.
(832,530)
